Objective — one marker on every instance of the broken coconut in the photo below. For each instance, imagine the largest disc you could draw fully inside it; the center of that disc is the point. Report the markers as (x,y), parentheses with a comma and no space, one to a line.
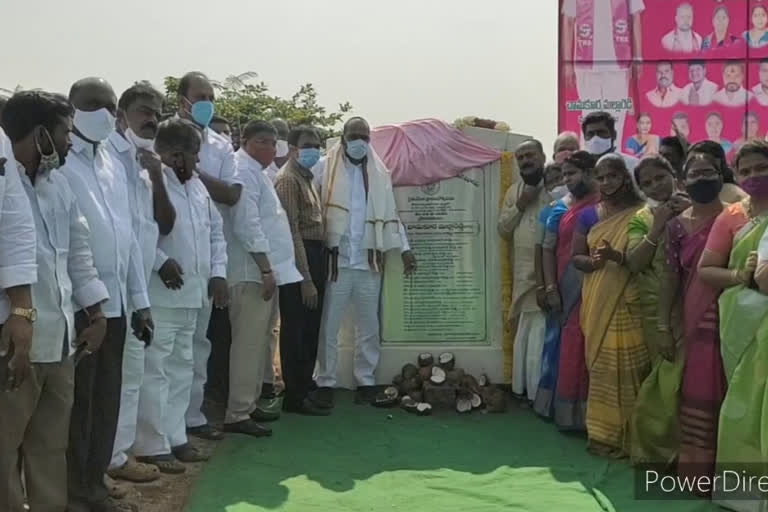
(387,398)
(484,381)
(446,361)
(423,409)
(463,405)
(408,403)
(426,359)
(412,384)
(426,372)
(410,371)
(438,375)
(418,396)
(477,401)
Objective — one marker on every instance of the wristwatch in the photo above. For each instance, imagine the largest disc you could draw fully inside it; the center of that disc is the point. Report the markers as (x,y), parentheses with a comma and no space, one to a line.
(28,313)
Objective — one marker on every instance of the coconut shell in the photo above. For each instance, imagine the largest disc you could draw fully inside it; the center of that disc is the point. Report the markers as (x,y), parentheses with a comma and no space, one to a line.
(477,401)
(469,382)
(438,375)
(484,381)
(447,361)
(409,371)
(423,409)
(408,403)
(455,376)
(426,372)
(397,380)
(426,359)
(463,406)
(417,395)
(412,384)
(387,398)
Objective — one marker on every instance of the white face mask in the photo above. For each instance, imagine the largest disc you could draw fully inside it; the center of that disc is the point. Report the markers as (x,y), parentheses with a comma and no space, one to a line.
(138,142)
(558,192)
(598,145)
(95,126)
(282,149)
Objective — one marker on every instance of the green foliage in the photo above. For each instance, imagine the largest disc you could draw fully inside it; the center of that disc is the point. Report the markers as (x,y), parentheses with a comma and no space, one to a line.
(239,99)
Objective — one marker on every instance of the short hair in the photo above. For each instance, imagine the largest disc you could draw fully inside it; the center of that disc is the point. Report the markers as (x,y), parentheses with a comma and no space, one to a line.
(698,62)
(353,119)
(598,117)
(177,135)
(535,142)
(734,64)
(715,114)
(552,167)
(186,81)
(582,160)
(653,161)
(257,127)
(760,6)
(296,133)
(684,5)
(27,109)
(753,147)
(564,137)
(143,90)
(681,116)
(710,149)
(219,119)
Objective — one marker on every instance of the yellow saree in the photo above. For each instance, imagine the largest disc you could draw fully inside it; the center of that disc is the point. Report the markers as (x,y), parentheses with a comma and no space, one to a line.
(616,354)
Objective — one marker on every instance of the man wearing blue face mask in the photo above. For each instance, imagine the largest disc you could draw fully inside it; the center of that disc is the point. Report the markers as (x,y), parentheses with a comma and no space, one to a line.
(361,225)
(599,130)
(301,304)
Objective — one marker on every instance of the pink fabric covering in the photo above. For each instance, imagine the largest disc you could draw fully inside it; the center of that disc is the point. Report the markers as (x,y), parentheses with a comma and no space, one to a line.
(427,151)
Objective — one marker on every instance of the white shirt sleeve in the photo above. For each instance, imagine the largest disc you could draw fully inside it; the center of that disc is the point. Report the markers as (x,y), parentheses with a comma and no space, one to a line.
(404,245)
(137,282)
(636,6)
(160,259)
(218,245)
(246,222)
(18,239)
(87,288)
(569,8)
(229,172)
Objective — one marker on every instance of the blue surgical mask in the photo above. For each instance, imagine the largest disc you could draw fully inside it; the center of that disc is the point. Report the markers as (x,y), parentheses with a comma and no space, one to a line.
(308,157)
(357,149)
(201,112)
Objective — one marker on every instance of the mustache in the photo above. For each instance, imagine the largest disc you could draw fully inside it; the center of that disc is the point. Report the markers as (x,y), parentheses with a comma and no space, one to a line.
(150,124)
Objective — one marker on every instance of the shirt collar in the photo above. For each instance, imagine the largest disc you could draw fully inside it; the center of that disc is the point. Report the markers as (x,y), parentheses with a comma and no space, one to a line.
(120,143)
(251,162)
(82,146)
(304,173)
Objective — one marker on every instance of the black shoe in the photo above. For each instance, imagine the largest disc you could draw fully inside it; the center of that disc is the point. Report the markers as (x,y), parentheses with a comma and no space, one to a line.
(307,408)
(248,428)
(188,454)
(322,398)
(265,416)
(365,395)
(206,432)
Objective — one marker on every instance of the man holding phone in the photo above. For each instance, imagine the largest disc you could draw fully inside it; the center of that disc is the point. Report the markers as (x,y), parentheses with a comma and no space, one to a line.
(35,418)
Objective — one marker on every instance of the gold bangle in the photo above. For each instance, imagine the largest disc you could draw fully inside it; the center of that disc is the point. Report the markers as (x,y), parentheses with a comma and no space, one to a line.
(735,276)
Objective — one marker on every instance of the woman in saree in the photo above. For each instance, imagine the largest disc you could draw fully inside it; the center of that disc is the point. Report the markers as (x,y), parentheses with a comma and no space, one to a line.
(703,384)
(616,355)
(654,423)
(729,264)
(565,353)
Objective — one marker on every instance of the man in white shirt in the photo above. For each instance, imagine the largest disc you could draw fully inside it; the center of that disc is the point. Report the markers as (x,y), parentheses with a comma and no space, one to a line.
(356,195)
(666,94)
(761,90)
(700,91)
(260,257)
(219,175)
(599,131)
(98,180)
(682,39)
(600,40)
(35,417)
(281,153)
(138,115)
(733,94)
(222,127)
(189,270)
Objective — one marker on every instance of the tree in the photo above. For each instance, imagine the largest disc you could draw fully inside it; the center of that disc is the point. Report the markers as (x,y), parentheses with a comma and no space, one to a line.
(240,99)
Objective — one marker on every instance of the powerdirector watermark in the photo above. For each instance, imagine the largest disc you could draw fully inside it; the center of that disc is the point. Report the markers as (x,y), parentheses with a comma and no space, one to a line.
(691,481)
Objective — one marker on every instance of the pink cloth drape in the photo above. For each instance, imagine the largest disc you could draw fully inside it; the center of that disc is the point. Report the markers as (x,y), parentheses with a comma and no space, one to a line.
(427,151)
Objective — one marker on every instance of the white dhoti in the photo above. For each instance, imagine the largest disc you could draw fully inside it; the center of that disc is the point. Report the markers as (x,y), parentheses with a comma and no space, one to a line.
(361,288)
(201,353)
(133,376)
(529,345)
(607,83)
(168,374)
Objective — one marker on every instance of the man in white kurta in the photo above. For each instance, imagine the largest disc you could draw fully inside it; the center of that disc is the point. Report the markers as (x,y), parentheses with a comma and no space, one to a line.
(361,225)
(517,225)
(189,269)
(132,143)
(260,258)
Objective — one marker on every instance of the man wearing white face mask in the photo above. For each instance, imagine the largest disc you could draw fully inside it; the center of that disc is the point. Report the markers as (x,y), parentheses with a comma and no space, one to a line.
(98,180)
(361,225)
(138,113)
(599,130)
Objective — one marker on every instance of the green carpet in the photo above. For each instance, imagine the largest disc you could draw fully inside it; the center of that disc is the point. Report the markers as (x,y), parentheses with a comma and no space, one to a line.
(359,460)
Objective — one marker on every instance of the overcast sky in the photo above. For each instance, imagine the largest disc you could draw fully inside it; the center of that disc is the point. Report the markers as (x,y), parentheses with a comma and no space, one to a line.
(394,60)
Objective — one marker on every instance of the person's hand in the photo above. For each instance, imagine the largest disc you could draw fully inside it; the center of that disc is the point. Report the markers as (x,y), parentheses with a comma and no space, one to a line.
(604,253)
(666,343)
(679,202)
(269,284)
(217,289)
(541,298)
(527,197)
(554,302)
(409,263)
(569,74)
(144,322)
(16,333)
(93,336)
(151,162)
(746,274)
(309,294)
(171,273)
(661,215)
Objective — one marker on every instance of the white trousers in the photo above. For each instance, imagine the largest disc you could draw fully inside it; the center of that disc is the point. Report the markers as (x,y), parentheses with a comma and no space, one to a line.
(250,317)
(201,353)
(168,373)
(361,288)
(133,375)
(526,356)
(609,84)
